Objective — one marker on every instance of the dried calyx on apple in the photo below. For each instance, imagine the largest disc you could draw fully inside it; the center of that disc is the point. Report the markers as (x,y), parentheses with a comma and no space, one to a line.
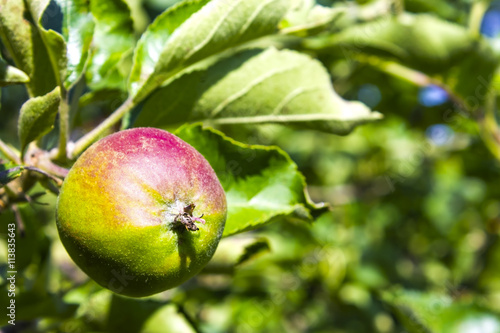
(141,211)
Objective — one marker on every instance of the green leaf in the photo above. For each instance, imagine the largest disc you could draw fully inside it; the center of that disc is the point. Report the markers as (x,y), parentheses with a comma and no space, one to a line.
(53,41)
(78,29)
(441,8)
(112,45)
(253,250)
(256,87)
(441,49)
(35,305)
(217,26)
(152,43)
(104,311)
(9,172)
(111,98)
(261,183)
(439,313)
(11,75)
(138,15)
(26,47)
(94,307)
(37,117)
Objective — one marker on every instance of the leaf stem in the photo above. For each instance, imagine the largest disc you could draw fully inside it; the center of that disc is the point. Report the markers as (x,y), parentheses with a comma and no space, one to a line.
(63,126)
(477,12)
(488,126)
(93,135)
(5,150)
(405,73)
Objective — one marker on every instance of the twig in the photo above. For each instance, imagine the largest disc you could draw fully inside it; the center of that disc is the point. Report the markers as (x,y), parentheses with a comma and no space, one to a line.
(93,135)
(19,220)
(58,181)
(410,75)
(488,125)
(9,153)
(192,323)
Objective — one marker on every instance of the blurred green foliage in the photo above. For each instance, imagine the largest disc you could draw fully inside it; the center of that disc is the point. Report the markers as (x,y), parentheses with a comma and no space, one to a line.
(411,243)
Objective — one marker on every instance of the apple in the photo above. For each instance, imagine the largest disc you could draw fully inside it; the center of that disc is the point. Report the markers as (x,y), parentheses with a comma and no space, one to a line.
(141,211)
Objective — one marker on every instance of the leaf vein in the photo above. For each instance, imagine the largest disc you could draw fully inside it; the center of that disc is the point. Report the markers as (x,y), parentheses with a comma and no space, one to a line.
(288,98)
(292,118)
(249,87)
(212,32)
(253,16)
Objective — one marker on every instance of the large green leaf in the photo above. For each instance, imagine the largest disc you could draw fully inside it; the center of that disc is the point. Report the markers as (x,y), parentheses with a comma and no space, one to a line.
(26,47)
(53,41)
(217,26)
(262,184)
(11,75)
(440,313)
(78,28)
(441,49)
(111,46)
(255,87)
(152,43)
(37,116)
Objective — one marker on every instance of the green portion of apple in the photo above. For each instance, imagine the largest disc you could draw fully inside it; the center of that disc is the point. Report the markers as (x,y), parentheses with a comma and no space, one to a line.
(141,211)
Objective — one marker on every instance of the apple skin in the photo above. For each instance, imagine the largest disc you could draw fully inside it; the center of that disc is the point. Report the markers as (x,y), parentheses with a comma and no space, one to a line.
(116,210)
